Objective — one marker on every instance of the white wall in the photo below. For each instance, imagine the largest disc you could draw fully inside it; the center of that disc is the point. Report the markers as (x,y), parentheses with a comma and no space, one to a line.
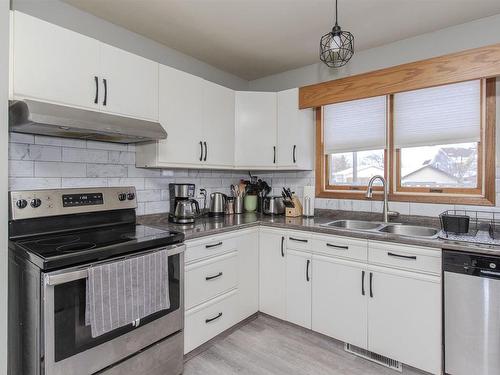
(469,35)
(4,136)
(67,16)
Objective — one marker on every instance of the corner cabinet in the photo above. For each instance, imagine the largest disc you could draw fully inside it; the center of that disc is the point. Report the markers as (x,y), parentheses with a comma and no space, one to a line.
(272,133)
(295,133)
(74,70)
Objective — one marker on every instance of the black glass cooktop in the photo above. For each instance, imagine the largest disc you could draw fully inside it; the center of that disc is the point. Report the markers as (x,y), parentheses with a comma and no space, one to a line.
(98,243)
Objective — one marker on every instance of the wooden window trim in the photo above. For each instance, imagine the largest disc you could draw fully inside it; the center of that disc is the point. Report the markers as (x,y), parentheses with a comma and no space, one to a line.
(484,194)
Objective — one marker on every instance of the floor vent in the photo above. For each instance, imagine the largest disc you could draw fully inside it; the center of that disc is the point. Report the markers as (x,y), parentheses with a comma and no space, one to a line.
(377,358)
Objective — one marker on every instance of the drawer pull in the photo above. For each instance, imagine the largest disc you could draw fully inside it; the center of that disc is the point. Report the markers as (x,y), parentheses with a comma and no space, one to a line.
(214,318)
(214,245)
(337,246)
(208,278)
(282,247)
(298,240)
(308,263)
(409,257)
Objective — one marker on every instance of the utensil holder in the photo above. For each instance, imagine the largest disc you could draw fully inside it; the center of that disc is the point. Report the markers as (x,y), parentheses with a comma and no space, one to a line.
(250,203)
(238,205)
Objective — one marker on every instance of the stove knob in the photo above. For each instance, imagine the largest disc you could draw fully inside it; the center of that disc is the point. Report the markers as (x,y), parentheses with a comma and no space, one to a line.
(35,202)
(130,196)
(122,196)
(21,203)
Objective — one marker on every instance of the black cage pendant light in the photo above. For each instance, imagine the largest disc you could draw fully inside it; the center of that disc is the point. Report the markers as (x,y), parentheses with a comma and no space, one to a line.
(336,47)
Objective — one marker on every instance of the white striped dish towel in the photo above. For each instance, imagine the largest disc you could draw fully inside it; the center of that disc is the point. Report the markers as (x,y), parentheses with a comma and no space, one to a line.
(119,293)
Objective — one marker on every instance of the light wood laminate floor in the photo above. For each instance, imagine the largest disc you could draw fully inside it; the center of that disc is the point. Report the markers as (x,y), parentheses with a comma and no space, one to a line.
(267,346)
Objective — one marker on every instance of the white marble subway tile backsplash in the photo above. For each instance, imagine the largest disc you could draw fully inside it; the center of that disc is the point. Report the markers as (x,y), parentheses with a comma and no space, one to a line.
(39,162)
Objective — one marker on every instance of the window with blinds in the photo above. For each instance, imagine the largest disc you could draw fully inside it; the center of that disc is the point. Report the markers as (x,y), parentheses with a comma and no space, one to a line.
(355,140)
(436,134)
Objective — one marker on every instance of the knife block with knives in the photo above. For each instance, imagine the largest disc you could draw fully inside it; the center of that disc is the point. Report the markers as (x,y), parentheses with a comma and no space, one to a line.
(293,207)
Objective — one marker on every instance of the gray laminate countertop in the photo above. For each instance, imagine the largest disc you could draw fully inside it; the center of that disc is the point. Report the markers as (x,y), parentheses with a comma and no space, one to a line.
(207,226)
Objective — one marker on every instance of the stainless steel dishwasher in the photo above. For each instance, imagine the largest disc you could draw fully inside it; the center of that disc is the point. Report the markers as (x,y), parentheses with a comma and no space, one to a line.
(471,313)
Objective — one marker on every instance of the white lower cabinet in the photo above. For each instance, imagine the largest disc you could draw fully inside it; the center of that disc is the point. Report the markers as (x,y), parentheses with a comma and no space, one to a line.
(298,287)
(208,320)
(339,303)
(221,284)
(272,273)
(404,317)
(383,297)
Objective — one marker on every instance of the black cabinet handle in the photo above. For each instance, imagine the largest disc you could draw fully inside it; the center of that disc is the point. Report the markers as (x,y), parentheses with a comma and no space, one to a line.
(214,318)
(96,99)
(201,151)
(371,285)
(308,263)
(362,283)
(213,245)
(411,257)
(208,278)
(337,246)
(282,246)
(298,239)
(206,151)
(294,149)
(274,154)
(105,82)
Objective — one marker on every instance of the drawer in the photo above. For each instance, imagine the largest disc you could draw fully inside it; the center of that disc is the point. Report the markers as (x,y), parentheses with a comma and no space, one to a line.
(343,247)
(208,320)
(209,247)
(298,241)
(407,257)
(210,278)
(162,358)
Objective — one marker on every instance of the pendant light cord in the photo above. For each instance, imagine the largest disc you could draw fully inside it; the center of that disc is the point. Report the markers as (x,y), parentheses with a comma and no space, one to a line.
(336,12)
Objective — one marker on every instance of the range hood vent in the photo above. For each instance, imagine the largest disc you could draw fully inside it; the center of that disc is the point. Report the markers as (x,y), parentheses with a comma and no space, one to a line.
(34,117)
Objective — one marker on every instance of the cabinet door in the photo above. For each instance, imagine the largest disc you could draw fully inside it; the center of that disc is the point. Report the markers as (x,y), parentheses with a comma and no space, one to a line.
(248,273)
(298,287)
(129,84)
(339,300)
(181,114)
(54,64)
(295,132)
(405,318)
(272,273)
(255,145)
(218,125)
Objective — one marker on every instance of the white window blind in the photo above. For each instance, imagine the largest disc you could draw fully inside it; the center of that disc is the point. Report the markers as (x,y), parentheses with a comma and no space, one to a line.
(438,116)
(357,125)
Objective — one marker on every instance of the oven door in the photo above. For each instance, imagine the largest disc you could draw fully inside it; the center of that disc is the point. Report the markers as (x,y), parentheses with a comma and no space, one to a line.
(68,345)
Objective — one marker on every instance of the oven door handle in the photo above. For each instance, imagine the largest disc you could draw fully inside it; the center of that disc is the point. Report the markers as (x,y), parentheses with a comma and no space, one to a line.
(67,277)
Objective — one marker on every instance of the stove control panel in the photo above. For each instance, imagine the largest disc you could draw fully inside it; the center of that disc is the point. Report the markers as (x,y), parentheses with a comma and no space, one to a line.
(29,204)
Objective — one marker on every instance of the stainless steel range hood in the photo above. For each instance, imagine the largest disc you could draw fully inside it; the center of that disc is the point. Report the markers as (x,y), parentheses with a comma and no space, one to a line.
(34,117)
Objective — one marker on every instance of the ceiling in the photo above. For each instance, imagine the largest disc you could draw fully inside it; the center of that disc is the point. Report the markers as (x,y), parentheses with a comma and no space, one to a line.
(256,38)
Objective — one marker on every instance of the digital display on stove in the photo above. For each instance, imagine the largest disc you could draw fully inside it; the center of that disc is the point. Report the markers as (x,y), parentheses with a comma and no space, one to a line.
(75,200)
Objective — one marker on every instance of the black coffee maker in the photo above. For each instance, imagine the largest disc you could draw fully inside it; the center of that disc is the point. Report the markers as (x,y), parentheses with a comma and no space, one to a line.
(183,207)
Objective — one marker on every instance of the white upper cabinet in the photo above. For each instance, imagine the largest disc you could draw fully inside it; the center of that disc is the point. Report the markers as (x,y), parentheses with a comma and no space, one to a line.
(255,144)
(129,83)
(181,114)
(199,119)
(218,125)
(295,132)
(54,64)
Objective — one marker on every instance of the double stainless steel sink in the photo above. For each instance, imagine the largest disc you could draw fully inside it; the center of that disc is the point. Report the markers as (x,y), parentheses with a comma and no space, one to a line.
(380,227)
